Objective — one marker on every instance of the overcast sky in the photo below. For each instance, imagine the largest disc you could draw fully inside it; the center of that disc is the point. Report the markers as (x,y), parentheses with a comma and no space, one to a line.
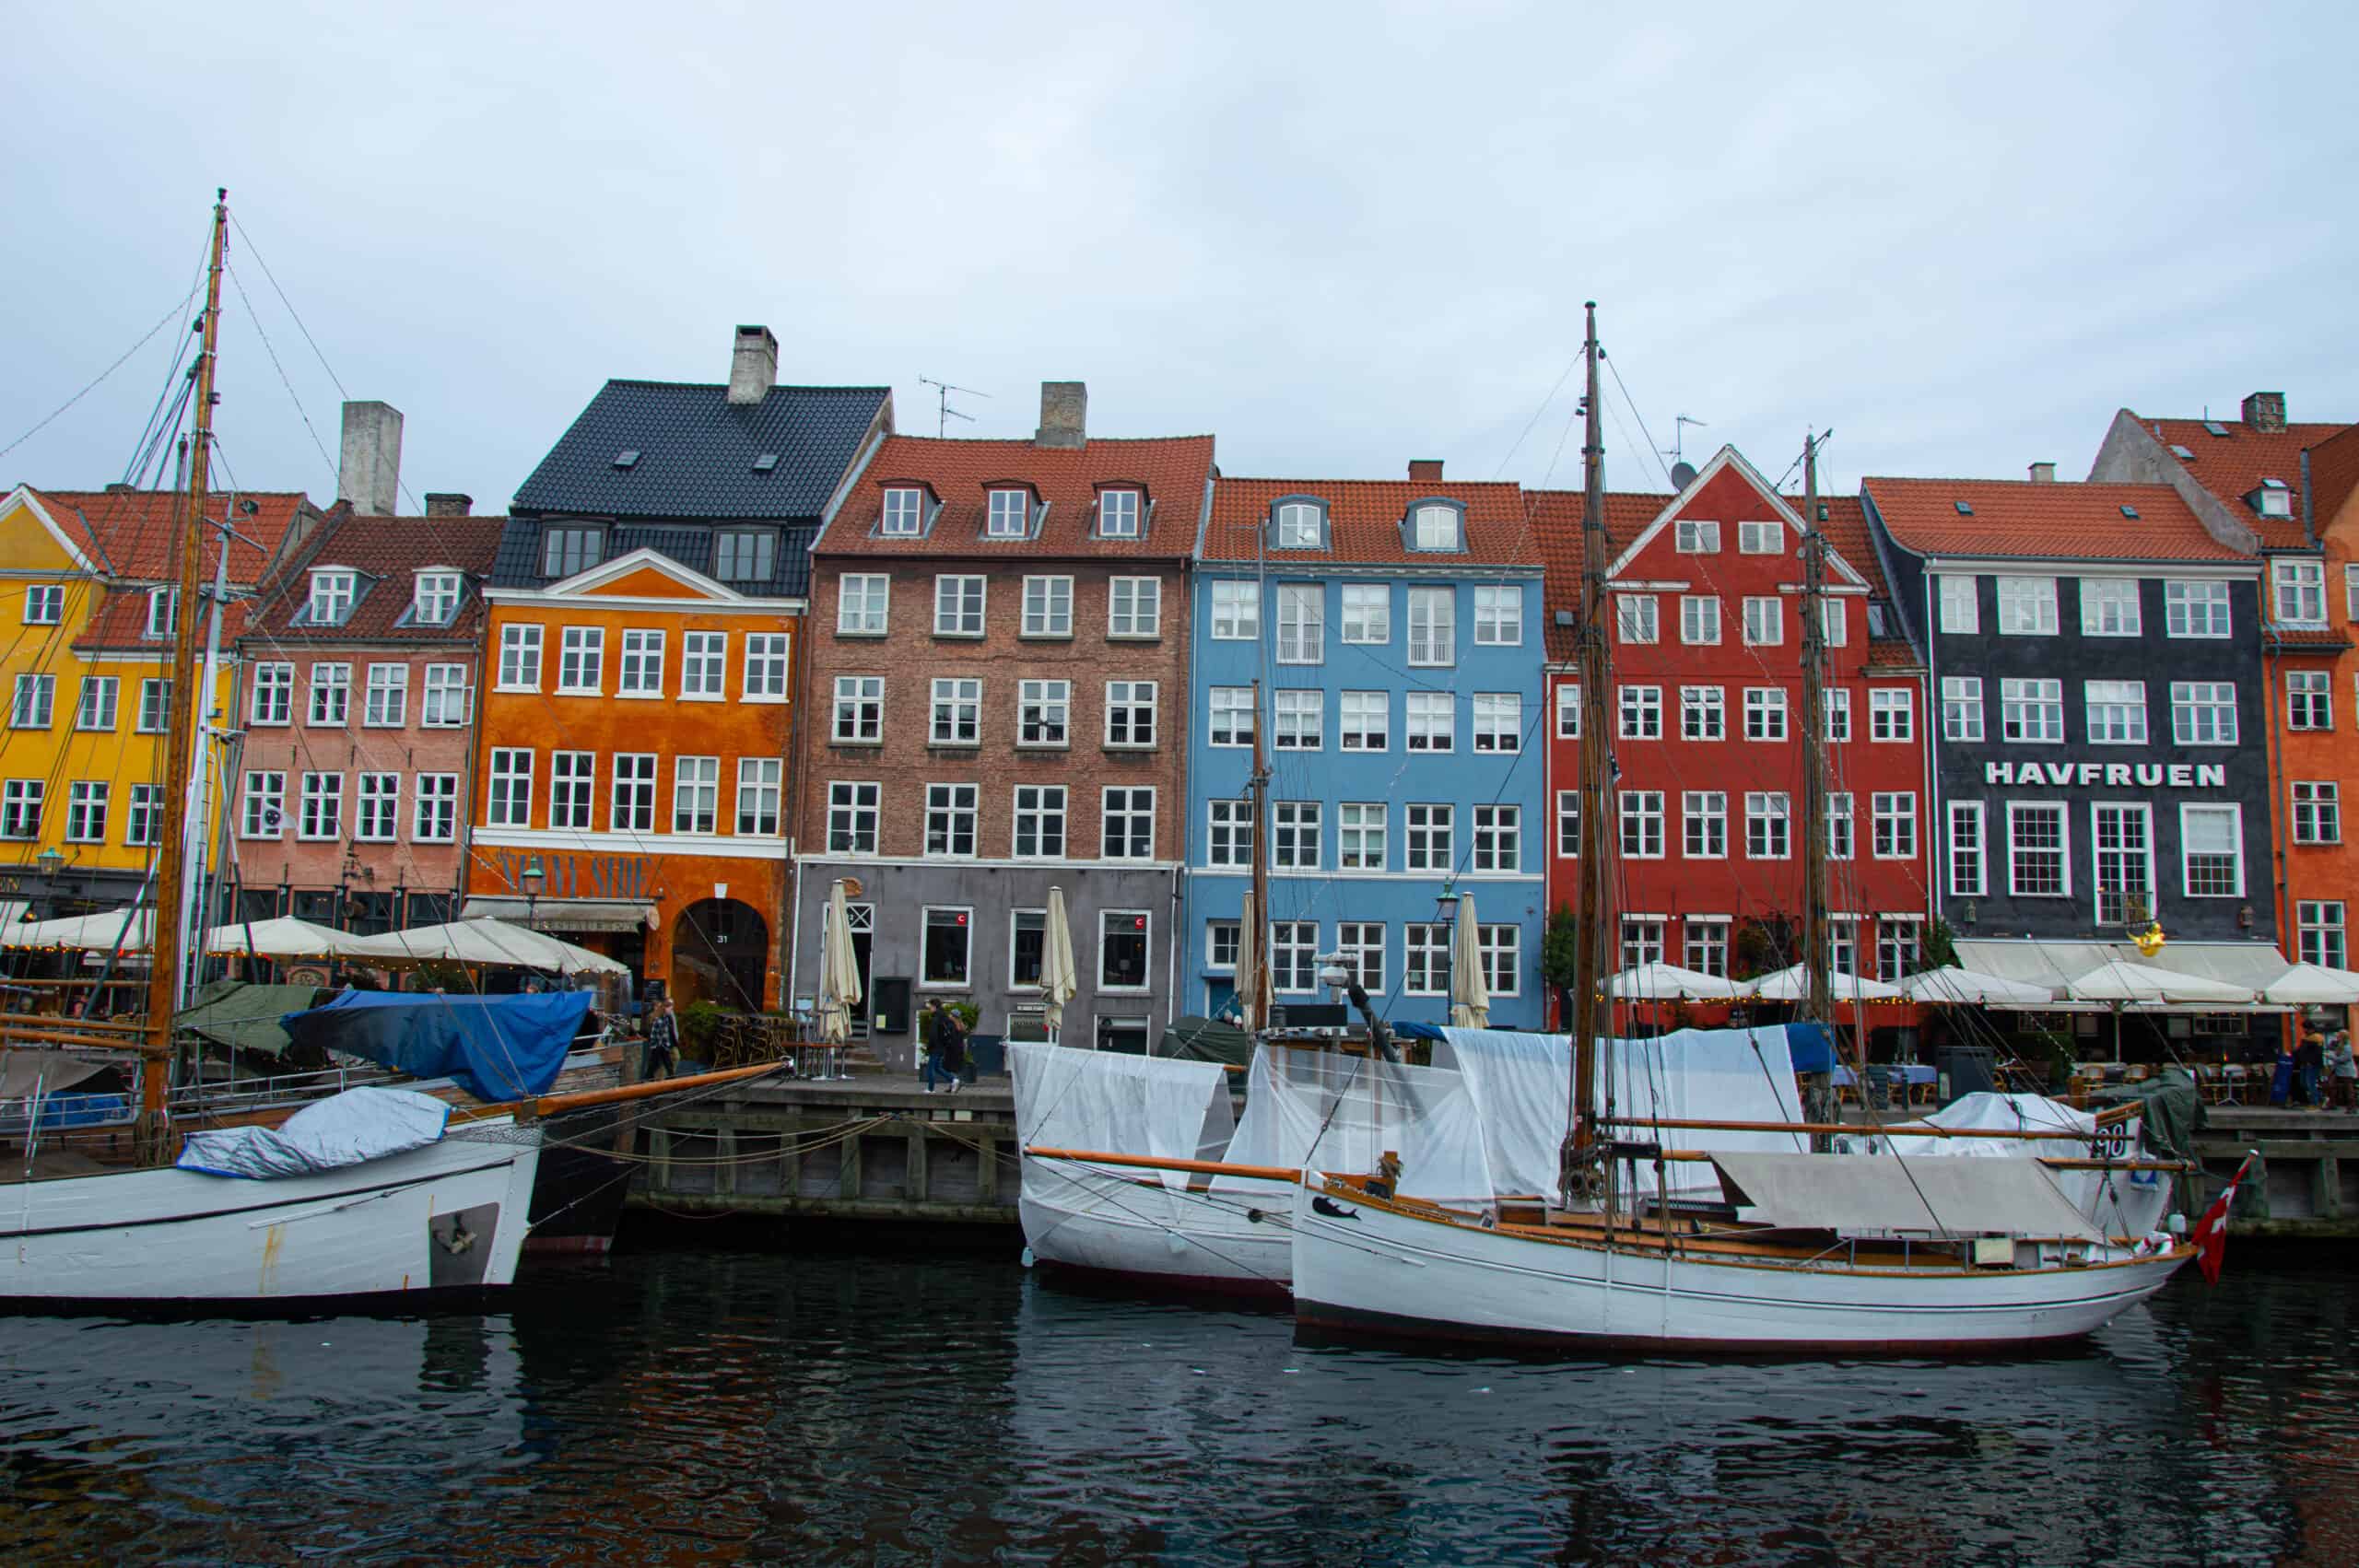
(1338,238)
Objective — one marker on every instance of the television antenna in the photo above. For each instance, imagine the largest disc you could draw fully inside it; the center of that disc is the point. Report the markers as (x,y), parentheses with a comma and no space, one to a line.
(944,413)
(1679,437)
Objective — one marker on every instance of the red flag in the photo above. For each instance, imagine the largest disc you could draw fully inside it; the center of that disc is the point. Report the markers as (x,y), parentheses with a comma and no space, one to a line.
(2211,1231)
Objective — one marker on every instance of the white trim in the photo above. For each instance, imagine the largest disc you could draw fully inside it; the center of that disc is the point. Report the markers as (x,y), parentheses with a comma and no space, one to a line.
(727,846)
(1729,457)
(2028,566)
(962,862)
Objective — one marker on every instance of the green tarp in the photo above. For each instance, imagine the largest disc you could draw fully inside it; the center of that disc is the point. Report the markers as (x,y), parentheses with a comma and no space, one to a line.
(2172,1112)
(1194,1038)
(244,1016)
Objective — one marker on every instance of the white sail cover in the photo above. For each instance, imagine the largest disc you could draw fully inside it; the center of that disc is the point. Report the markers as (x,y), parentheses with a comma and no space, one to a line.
(1877,1195)
(1069,1098)
(1329,1111)
(351,1129)
(2121,1202)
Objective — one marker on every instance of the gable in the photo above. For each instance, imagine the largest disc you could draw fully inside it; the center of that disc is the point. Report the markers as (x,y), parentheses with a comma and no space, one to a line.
(1729,491)
(645,582)
(31,541)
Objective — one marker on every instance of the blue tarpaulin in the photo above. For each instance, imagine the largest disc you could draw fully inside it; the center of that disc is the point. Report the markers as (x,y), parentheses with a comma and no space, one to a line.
(495,1047)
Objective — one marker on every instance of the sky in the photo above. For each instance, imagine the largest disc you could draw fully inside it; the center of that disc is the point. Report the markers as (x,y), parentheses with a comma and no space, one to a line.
(1336,237)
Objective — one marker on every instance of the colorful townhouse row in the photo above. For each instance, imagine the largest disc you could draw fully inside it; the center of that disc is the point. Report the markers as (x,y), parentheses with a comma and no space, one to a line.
(736,642)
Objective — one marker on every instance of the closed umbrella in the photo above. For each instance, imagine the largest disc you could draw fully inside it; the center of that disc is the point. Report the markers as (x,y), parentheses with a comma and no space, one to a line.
(1470,996)
(839,989)
(1059,978)
(1252,999)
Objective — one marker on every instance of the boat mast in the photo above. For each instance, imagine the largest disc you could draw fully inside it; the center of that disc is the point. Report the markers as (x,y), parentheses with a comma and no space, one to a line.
(1580,1159)
(172,857)
(1816,947)
(1258,793)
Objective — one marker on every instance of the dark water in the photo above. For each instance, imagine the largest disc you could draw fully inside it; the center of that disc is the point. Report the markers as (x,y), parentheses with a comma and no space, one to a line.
(684,1406)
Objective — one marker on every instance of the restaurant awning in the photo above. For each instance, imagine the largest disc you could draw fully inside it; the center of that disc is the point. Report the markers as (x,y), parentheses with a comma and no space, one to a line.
(563,914)
(2248,967)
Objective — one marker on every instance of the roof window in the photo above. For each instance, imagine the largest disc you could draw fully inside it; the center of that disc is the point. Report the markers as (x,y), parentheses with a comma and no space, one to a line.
(2130,512)
(627,458)
(1964,509)
(1438,526)
(765,463)
(2215,427)
(2184,454)
(2272,500)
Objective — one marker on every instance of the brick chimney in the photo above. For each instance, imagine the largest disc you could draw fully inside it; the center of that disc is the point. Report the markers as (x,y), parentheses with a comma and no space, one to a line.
(449,503)
(369,471)
(2266,411)
(753,365)
(1425,468)
(2043,473)
(1064,414)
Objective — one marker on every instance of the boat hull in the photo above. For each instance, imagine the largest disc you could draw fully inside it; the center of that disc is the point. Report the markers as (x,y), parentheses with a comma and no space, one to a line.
(447,1218)
(1366,1268)
(1117,1228)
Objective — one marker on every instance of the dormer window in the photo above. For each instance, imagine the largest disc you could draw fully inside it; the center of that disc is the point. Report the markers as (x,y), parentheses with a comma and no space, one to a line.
(331,596)
(1438,526)
(163,612)
(1011,515)
(564,550)
(743,554)
(436,600)
(1299,526)
(904,513)
(1118,514)
(2272,500)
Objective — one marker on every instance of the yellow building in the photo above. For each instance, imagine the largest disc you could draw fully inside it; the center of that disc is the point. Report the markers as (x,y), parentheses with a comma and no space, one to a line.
(85,653)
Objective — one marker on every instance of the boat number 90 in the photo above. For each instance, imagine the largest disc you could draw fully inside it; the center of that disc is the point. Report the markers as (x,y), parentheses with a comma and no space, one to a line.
(2110,1142)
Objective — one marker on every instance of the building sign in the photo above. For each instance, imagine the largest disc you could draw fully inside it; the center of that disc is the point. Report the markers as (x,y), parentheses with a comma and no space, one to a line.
(583,876)
(2111,775)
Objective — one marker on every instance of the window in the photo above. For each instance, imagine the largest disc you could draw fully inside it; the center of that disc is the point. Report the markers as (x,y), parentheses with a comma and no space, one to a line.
(2309,699)
(948,947)
(1843,944)
(331,596)
(1895,826)
(2031,710)
(950,816)
(859,710)
(582,661)
(2195,609)
(851,818)
(564,550)
(1134,607)
(20,803)
(1635,618)
(36,700)
(1702,714)
(1642,941)
(436,820)
(1700,618)
(758,795)
(1122,945)
(2122,838)
(1433,627)
(957,606)
(1765,623)
(519,658)
(388,700)
(745,554)
(1961,708)
(957,713)
(2317,926)
(435,599)
(2350,592)
(2318,811)
(509,803)
(155,706)
(331,694)
(163,614)
(904,513)
(1760,538)
(1302,622)
(1568,712)
(1048,606)
(1892,714)
(1127,825)
(1043,713)
(381,808)
(1834,629)
(1010,516)
(45,604)
(1501,949)
(1361,945)
(2109,607)
(862,602)
(1429,831)
(1706,944)
(2299,590)
(274,693)
(704,666)
(1118,514)
(1232,716)
(572,778)
(1130,713)
(1293,835)
(1028,938)
(1498,838)
(2027,606)
(446,706)
(1230,840)
(632,804)
(1299,526)
(2212,839)
(1359,836)
(1966,864)
(1437,528)
(642,667)
(696,794)
(145,829)
(766,661)
(86,812)
(2204,713)
(1691,537)
(1430,721)
(1765,713)
(97,711)
(1641,817)
(1365,721)
(262,806)
(1768,827)
(1040,822)
(1704,814)
(1842,827)
(1961,609)
(1569,822)
(1294,956)
(1367,613)
(1838,715)
(1296,724)
(1498,722)
(2036,864)
(2116,712)
(1498,617)
(1220,944)
(323,806)
(1641,713)
(1899,946)
(1237,612)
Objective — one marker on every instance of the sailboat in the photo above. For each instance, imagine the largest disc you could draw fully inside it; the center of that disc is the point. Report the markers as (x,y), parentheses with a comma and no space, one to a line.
(1808,1251)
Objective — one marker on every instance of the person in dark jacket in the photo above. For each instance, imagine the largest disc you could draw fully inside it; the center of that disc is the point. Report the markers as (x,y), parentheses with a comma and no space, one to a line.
(945,1046)
(663,1040)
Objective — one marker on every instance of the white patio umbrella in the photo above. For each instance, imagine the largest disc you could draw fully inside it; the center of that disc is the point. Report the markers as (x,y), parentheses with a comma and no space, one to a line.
(96,932)
(1792,984)
(1658,981)
(282,937)
(1470,994)
(1059,976)
(2115,981)
(1958,986)
(838,990)
(1252,1000)
(481,941)
(2312,985)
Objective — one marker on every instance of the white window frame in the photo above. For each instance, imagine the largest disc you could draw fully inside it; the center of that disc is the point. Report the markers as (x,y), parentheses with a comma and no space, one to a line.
(1761,538)
(1497,723)
(2197,608)
(2193,702)
(261,796)
(2318,810)
(1134,608)
(1356,711)
(1893,825)
(957,705)
(1433,627)
(1049,806)
(1765,621)
(334,589)
(2027,606)
(377,808)
(1766,717)
(1228,834)
(1428,837)
(1892,714)
(1499,949)
(2113,713)
(1498,615)
(434,599)
(1498,839)
(1367,612)
(2309,699)
(1639,710)
(2141,813)
(447,703)
(2031,711)
(1236,610)
(1362,828)
(768,668)
(2297,592)
(1703,713)
(901,513)
(863,603)
(520,658)
(761,795)
(2018,813)
(573,792)
(630,795)
(386,704)
(434,816)
(1132,719)
(857,714)
(1699,619)
(2109,607)
(704,666)
(1126,825)
(1637,619)
(1299,719)
(331,705)
(1428,722)
(1302,622)
(855,815)
(953,821)
(1229,717)
(581,662)
(97,708)
(1640,812)
(960,602)
(2234,812)
(1297,836)
(1043,715)
(1569,710)
(1977,885)
(1961,708)
(87,804)
(273,700)
(1961,602)
(1769,825)
(508,796)
(695,781)
(1143,927)
(1694,536)
(1118,511)
(320,818)
(1009,514)
(639,675)
(44,604)
(1704,825)
(1048,607)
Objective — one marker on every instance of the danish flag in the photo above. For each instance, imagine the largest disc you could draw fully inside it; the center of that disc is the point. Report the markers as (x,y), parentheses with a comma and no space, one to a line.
(2211,1231)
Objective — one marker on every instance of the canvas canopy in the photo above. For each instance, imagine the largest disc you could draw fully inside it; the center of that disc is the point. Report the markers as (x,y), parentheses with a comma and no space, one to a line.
(2313,985)
(495,1047)
(1792,984)
(1955,986)
(1872,1195)
(1331,1111)
(350,1128)
(284,937)
(96,932)
(483,943)
(1067,1098)
(1669,982)
(2117,981)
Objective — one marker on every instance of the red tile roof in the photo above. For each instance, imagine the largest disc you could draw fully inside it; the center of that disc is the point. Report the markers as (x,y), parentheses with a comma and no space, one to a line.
(1174,471)
(1365,519)
(2306,640)
(2049,522)
(1555,521)
(2232,467)
(392,550)
(131,534)
(2334,475)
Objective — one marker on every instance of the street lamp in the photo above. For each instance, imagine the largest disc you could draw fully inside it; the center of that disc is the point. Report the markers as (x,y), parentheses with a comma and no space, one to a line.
(1446,917)
(51,862)
(532,877)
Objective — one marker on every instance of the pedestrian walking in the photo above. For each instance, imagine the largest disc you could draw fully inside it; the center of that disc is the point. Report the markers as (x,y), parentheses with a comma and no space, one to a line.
(2307,1061)
(2343,1082)
(945,1046)
(663,1040)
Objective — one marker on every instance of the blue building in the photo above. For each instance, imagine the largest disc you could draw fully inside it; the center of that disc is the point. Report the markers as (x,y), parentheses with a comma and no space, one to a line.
(1394,628)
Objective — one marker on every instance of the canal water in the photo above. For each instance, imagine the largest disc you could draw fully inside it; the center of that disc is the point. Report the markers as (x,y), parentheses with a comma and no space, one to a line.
(685,1406)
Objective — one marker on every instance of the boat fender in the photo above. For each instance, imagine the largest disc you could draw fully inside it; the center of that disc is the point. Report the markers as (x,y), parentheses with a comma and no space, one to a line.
(1332,1209)
(1028,1258)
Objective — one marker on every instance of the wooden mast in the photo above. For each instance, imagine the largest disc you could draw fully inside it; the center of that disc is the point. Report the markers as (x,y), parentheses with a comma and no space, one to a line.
(171,856)
(1256,1007)
(1580,1160)
(1816,947)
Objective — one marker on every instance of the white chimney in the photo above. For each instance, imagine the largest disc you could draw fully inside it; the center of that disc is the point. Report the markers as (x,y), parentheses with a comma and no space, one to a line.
(369,470)
(2043,473)
(753,365)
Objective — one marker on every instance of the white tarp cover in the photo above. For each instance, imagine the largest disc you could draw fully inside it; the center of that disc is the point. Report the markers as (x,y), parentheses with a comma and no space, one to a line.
(2121,1202)
(24,1069)
(1331,1111)
(354,1126)
(1874,1194)
(484,941)
(1522,1081)
(1071,1098)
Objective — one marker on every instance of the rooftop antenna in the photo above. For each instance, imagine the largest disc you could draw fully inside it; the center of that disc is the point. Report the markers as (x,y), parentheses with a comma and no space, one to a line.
(944,413)
(1681,472)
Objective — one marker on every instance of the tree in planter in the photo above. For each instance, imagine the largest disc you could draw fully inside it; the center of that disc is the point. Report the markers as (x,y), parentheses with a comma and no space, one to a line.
(1764,942)
(700,1025)
(1939,950)
(1560,958)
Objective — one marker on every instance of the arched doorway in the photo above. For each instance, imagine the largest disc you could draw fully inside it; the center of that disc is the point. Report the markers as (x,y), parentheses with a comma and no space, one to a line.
(720,952)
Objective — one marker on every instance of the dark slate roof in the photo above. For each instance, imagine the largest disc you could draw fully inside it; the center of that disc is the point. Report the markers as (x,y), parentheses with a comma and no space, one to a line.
(519,565)
(697,452)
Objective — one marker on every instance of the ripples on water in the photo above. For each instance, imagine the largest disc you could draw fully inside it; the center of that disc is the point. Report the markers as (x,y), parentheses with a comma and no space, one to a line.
(681,1404)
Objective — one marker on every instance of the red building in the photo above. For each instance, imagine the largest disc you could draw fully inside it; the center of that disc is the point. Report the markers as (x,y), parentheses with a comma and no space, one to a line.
(1706,592)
